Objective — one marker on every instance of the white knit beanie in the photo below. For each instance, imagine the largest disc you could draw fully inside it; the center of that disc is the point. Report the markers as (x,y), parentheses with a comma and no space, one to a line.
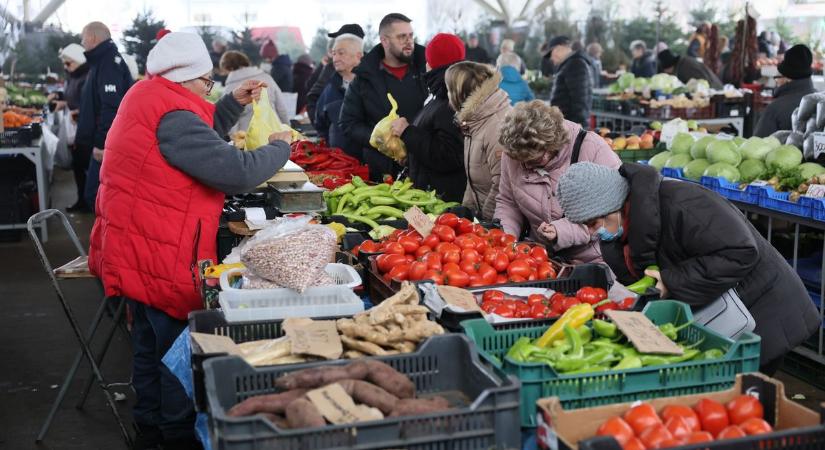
(73,52)
(179,57)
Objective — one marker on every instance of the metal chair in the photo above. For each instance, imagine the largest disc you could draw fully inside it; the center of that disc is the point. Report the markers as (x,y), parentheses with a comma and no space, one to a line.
(76,269)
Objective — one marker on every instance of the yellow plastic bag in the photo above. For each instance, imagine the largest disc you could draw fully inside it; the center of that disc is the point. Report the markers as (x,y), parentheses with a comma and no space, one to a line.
(264,122)
(382,138)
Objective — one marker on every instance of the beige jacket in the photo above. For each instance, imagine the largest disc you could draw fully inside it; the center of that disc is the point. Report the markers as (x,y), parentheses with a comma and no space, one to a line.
(480,119)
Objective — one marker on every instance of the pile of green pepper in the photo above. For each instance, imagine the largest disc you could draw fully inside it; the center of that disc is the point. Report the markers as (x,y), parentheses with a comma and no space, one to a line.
(601,347)
(359,202)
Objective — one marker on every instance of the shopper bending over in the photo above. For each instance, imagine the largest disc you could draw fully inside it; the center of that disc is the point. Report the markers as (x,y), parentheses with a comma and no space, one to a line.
(702,244)
(474,92)
(162,188)
(540,145)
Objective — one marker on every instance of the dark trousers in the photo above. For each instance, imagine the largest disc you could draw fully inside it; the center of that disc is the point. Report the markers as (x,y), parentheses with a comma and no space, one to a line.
(92,181)
(162,402)
(80,164)
(380,165)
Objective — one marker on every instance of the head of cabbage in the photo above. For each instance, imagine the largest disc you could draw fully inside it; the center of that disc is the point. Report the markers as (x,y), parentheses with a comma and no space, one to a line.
(681,143)
(755,148)
(723,170)
(625,80)
(784,157)
(723,151)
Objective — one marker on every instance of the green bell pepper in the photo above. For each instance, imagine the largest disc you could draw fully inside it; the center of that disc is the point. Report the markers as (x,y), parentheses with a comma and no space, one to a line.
(605,329)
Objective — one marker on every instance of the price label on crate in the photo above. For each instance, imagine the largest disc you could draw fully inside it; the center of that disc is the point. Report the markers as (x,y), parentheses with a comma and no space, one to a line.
(419,221)
(642,333)
(819,143)
(318,338)
(759,183)
(816,191)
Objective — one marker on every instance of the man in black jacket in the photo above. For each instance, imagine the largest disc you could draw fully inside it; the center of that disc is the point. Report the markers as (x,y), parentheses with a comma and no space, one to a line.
(322,74)
(702,244)
(395,66)
(796,69)
(475,53)
(108,80)
(573,83)
(644,63)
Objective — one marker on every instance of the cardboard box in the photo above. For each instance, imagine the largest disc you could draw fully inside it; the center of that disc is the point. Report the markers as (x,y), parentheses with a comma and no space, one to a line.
(575,430)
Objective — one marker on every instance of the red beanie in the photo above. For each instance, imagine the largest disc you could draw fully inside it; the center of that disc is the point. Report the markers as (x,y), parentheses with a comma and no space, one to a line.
(161,33)
(269,50)
(444,49)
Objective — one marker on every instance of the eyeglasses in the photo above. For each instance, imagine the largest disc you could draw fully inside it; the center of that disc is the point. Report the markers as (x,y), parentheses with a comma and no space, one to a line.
(209,84)
(403,37)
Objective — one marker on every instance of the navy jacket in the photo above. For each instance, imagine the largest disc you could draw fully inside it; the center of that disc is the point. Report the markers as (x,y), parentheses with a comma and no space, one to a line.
(108,80)
(572,89)
(282,72)
(327,111)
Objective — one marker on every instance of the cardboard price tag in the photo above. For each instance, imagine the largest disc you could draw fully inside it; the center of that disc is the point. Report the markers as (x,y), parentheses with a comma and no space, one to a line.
(211,343)
(319,338)
(644,335)
(461,298)
(337,406)
(816,191)
(819,143)
(419,221)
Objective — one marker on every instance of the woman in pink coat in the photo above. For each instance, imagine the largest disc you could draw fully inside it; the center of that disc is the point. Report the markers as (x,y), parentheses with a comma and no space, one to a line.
(539,147)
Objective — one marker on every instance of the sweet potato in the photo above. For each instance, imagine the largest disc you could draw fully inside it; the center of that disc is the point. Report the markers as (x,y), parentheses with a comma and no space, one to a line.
(272,403)
(320,376)
(277,420)
(370,395)
(303,414)
(416,406)
(389,379)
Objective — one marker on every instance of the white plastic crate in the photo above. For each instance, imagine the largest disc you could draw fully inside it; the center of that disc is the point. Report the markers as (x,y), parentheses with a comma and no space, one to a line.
(343,275)
(240,305)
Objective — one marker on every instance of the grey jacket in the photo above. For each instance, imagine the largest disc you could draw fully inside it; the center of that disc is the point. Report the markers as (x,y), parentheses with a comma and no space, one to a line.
(201,152)
(777,116)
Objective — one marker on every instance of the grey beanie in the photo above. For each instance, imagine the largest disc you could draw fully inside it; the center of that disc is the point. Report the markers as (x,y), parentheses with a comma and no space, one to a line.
(588,191)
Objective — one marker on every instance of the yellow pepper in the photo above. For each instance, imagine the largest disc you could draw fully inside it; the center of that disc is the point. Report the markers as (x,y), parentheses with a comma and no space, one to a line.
(339,230)
(216,271)
(576,316)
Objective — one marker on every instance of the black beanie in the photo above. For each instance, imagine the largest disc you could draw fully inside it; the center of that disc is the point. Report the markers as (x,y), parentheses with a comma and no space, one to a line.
(667,59)
(797,63)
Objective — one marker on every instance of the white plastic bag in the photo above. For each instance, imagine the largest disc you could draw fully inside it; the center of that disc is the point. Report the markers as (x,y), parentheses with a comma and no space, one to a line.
(66,130)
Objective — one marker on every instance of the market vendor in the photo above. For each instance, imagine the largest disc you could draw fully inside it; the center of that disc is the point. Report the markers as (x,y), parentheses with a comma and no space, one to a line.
(794,84)
(701,243)
(687,68)
(539,147)
(161,193)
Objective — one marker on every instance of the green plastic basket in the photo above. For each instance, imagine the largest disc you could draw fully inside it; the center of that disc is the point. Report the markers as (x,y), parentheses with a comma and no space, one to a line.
(592,389)
(636,155)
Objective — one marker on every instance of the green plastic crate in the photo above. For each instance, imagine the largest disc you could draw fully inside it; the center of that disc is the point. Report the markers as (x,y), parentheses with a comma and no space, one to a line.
(636,155)
(592,389)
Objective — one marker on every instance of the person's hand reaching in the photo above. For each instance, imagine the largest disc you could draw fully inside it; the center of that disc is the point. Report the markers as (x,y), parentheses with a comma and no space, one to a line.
(660,284)
(248,91)
(548,231)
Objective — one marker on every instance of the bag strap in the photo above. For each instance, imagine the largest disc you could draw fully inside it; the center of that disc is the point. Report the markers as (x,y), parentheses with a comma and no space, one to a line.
(577,146)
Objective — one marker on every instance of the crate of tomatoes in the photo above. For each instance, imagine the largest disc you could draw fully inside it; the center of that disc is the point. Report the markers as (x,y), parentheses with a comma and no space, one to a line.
(754,414)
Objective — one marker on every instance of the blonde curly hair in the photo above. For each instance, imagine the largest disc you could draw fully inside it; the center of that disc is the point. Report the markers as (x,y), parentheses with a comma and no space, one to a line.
(532,130)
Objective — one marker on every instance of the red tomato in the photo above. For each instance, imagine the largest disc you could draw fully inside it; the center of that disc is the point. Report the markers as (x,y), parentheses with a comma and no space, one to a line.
(399,272)
(393,237)
(523,249)
(617,428)
(434,275)
(504,311)
(444,247)
(456,278)
(627,303)
(490,255)
(634,444)
(421,251)
(495,233)
(444,233)
(409,243)
(672,442)
(642,417)
(507,240)
(418,271)
(537,298)
(369,247)
(590,295)
(510,251)
(431,241)
(448,219)
(465,241)
(546,271)
(493,295)
(671,411)
(450,257)
(698,437)
(518,268)
(471,255)
(464,226)
(450,266)
(410,258)
(475,280)
(433,260)
(743,408)
(712,415)
(533,275)
(413,234)
(501,279)
(500,262)
(481,244)
(387,261)
(655,435)
(756,426)
(522,310)
(487,273)
(488,306)
(540,253)
(731,432)
(355,250)
(678,427)
(394,248)
(538,311)
(469,267)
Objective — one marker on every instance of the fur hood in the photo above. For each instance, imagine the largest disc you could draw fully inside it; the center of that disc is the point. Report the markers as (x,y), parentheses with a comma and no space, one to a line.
(487,100)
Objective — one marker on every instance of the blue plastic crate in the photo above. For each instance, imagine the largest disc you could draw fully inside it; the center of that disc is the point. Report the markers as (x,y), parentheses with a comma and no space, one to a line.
(817,207)
(675,173)
(779,201)
(731,191)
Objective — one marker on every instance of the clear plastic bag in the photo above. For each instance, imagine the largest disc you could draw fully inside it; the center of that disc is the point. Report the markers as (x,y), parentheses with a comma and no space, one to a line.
(382,138)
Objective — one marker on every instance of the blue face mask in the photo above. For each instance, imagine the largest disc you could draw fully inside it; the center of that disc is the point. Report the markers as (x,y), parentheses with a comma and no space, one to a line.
(607,236)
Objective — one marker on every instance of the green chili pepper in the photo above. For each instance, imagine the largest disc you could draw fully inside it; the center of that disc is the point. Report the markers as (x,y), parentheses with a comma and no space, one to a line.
(645,283)
(358,182)
(344,201)
(714,353)
(605,329)
(520,351)
(575,340)
(672,331)
(380,200)
(586,334)
(405,187)
(332,205)
(408,201)
(361,219)
(658,360)
(628,351)
(628,362)
(386,211)
(437,210)
(341,190)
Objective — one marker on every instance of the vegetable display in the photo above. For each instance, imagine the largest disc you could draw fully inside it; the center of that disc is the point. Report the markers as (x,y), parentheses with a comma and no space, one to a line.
(537,306)
(459,253)
(577,343)
(641,427)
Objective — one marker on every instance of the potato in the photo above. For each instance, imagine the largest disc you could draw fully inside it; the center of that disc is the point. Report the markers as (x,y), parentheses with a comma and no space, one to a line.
(389,379)
(320,376)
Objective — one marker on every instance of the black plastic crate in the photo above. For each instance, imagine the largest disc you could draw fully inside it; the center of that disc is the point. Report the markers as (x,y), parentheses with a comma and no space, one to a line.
(16,137)
(443,364)
(213,322)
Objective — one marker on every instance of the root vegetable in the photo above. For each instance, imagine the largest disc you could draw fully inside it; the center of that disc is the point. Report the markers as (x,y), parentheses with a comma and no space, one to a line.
(272,403)
(416,406)
(391,380)
(277,420)
(353,354)
(363,346)
(404,347)
(320,376)
(370,395)
(301,413)
(395,313)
